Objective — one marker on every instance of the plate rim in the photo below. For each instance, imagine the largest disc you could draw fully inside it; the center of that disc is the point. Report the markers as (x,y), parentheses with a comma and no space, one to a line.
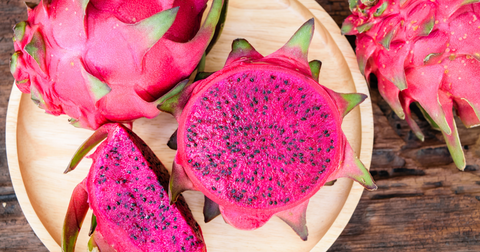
(346,55)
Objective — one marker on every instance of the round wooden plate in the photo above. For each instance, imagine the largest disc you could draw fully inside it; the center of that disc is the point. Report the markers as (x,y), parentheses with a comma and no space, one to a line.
(39,146)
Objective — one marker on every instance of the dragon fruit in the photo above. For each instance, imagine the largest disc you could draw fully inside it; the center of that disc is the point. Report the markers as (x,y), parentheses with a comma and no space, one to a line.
(423,52)
(126,189)
(108,61)
(262,136)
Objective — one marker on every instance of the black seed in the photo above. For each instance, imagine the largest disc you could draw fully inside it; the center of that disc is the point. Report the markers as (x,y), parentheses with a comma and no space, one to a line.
(214,188)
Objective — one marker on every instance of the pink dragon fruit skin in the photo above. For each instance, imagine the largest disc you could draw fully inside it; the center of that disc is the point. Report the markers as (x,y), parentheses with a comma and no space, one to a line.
(108,61)
(423,52)
(126,189)
(261,136)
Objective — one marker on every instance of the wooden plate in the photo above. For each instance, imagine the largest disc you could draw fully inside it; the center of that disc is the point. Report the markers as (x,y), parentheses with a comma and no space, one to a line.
(39,146)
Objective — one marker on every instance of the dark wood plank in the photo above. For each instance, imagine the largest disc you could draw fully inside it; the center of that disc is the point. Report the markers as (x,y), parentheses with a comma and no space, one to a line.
(423,202)
(15,232)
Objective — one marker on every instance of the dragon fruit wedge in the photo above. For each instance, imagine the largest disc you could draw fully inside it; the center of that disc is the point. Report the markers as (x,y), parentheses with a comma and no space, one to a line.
(125,188)
(109,61)
(262,136)
(423,52)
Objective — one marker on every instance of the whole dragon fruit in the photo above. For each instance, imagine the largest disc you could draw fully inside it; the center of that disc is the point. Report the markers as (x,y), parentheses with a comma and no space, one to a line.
(108,61)
(424,52)
(262,136)
(125,188)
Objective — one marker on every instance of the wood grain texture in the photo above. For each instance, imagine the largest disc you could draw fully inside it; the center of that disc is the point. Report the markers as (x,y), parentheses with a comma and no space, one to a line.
(36,151)
(15,232)
(423,204)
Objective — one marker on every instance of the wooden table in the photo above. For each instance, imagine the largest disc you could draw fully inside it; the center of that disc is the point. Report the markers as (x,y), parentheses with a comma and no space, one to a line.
(423,201)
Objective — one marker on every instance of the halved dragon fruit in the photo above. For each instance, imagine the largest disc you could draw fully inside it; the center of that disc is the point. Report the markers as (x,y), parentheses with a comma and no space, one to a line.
(108,61)
(262,136)
(126,189)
